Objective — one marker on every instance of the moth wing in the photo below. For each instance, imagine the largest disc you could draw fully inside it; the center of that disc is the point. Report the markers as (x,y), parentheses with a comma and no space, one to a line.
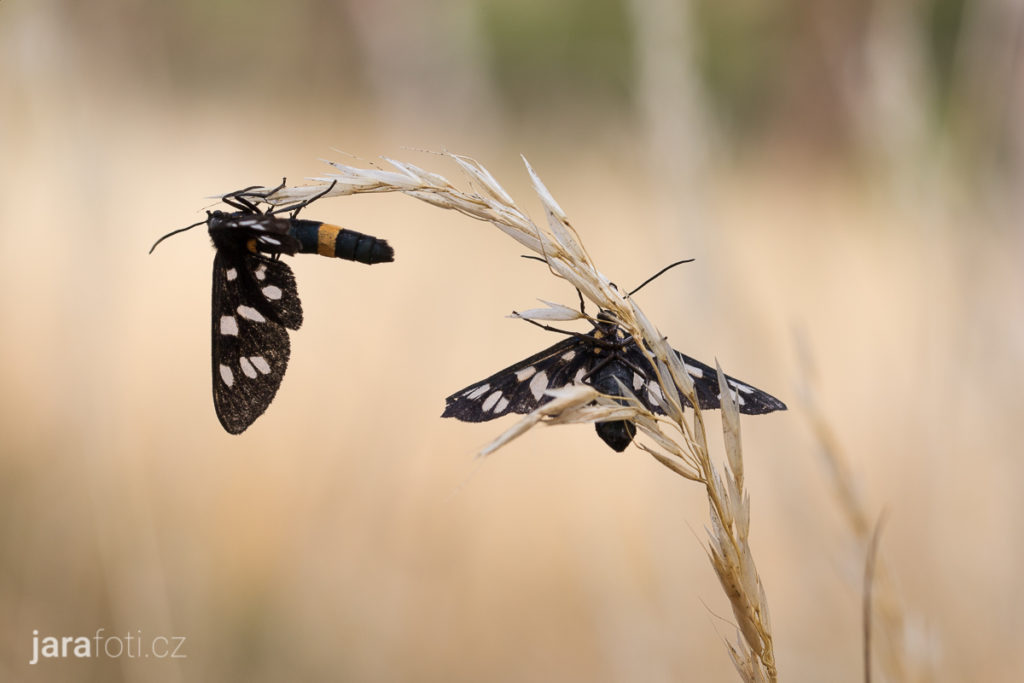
(269,285)
(520,388)
(250,347)
(752,401)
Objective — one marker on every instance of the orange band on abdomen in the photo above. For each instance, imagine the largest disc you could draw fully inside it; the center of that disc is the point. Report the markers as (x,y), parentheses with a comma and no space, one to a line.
(327,236)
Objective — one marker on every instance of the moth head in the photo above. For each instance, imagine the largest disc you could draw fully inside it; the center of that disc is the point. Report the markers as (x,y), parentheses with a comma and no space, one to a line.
(605,322)
(215,219)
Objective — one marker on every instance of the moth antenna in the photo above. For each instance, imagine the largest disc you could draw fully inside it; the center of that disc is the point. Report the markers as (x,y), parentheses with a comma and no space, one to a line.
(173,232)
(660,272)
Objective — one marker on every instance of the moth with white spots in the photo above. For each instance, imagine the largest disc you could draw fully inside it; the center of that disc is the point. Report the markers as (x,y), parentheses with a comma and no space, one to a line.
(255,300)
(603,358)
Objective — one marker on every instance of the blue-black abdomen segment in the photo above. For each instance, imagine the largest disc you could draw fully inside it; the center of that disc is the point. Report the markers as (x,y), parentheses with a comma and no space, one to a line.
(620,433)
(329,240)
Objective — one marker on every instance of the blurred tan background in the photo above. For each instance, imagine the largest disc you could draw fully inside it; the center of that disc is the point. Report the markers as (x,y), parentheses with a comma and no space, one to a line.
(848,177)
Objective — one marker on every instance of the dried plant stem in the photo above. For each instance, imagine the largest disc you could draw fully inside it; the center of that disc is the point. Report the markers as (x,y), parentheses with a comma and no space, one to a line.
(892,640)
(867,610)
(679,444)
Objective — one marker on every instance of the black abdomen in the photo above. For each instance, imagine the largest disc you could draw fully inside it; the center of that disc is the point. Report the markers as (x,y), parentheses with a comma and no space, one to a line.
(329,240)
(617,434)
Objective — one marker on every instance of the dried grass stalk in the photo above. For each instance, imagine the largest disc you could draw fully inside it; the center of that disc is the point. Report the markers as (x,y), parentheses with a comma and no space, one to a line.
(895,640)
(679,444)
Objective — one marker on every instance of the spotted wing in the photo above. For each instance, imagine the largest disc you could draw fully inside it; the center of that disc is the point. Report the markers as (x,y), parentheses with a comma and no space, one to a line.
(752,401)
(254,302)
(520,387)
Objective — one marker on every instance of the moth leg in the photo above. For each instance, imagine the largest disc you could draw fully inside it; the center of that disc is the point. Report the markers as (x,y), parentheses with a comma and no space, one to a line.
(631,365)
(548,327)
(295,208)
(236,200)
(605,361)
(603,343)
(271,193)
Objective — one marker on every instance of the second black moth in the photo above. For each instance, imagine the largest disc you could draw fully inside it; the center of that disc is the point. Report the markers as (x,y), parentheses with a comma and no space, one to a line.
(255,299)
(606,358)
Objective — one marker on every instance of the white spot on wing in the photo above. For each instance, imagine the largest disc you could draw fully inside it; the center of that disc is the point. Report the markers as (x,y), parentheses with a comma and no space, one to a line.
(226,375)
(526,373)
(250,313)
(474,394)
(261,364)
(578,377)
(538,384)
(638,382)
(228,325)
(654,392)
(272,292)
(502,405)
(270,240)
(490,401)
(569,355)
(696,373)
(741,387)
(247,368)
(231,274)
(735,396)
(261,272)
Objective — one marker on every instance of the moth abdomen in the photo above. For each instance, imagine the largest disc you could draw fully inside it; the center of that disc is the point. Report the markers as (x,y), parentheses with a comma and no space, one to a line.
(618,433)
(335,242)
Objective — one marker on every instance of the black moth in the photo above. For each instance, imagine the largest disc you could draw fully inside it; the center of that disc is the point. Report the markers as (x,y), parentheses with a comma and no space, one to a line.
(602,358)
(255,300)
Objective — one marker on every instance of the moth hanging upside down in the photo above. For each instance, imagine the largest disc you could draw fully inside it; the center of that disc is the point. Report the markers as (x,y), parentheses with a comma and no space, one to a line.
(602,357)
(255,300)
